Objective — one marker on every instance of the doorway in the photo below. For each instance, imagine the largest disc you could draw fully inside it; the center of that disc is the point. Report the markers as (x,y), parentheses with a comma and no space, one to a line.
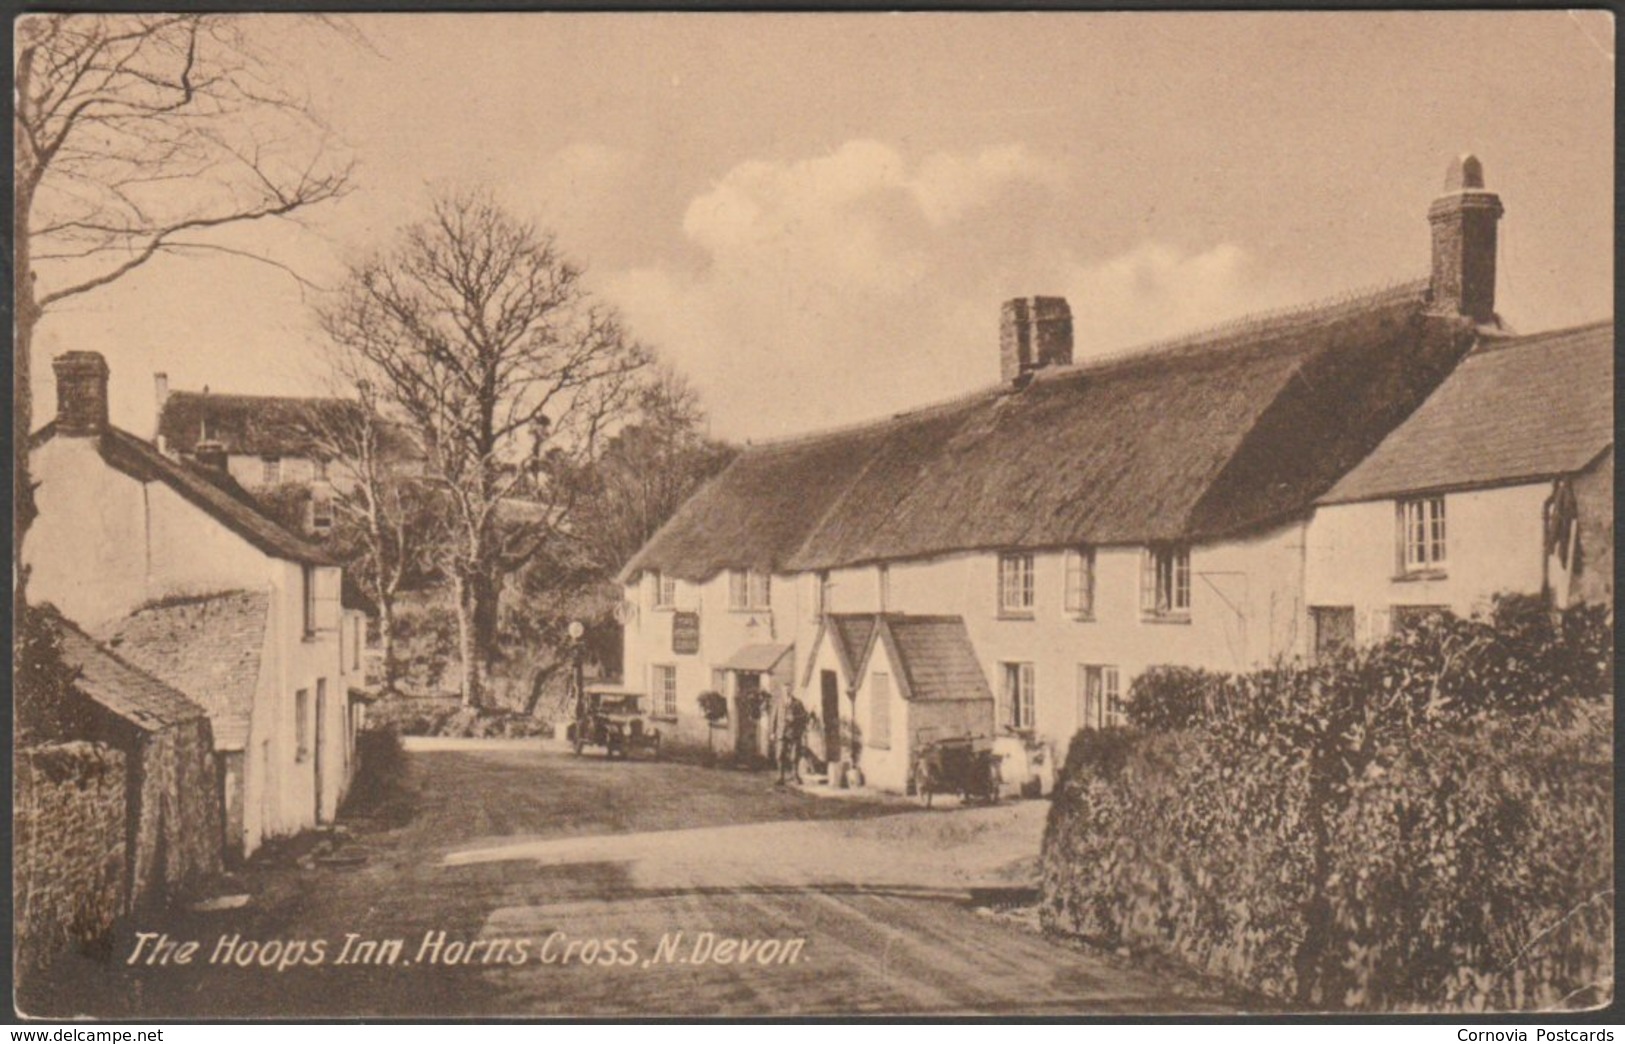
(830,692)
(321,741)
(748,716)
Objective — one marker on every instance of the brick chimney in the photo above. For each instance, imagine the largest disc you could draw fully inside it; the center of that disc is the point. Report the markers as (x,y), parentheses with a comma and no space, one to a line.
(1464,221)
(211,454)
(81,393)
(1034,332)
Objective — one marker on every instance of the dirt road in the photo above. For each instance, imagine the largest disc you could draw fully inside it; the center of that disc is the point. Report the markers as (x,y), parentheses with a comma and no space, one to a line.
(525,883)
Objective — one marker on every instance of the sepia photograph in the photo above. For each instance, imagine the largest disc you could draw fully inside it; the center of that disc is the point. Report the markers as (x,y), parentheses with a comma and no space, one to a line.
(762,515)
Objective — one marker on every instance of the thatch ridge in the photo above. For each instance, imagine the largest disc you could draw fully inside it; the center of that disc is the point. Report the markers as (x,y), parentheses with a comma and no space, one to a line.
(1207,433)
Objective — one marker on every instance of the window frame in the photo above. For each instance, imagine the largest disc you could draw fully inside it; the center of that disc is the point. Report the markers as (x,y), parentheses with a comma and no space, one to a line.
(1078,596)
(1019,691)
(322,507)
(1103,682)
(665,590)
(1423,541)
(1017,585)
(270,471)
(1165,582)
(743,591)
(663,690)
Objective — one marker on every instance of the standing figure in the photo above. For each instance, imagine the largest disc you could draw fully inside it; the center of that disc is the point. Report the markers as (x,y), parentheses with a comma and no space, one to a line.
(792,735)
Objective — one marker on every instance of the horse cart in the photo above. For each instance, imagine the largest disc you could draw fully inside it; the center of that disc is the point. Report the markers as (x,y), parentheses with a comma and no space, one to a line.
(962,765)
(614,722)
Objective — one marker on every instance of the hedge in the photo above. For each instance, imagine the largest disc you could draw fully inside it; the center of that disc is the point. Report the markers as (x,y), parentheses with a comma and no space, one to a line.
(1423,824)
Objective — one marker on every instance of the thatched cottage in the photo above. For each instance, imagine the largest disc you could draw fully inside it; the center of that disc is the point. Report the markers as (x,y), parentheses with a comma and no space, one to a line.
(1063,530)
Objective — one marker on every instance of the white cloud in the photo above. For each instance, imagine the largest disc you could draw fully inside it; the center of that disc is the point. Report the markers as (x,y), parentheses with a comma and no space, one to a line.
(853,284)
(1157,290)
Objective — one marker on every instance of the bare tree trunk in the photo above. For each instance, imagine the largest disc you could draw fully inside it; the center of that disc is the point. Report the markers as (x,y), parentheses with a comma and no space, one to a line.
(386,642)
(468,653)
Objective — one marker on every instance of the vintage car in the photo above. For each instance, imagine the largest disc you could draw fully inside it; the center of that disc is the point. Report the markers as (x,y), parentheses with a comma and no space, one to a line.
(614,721)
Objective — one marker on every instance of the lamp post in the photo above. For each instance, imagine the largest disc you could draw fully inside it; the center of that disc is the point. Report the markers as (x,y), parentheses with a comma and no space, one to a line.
(576,630)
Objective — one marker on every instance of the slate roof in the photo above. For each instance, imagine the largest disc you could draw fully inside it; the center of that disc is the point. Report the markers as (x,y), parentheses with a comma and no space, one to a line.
(129,692)
(936,658)
(1516,409)
(933,655)
(217,496)
(262,425)
(209,647)
(1215,434)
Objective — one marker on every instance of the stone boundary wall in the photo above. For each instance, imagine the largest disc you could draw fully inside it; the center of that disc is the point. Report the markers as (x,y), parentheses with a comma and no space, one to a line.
(68,847)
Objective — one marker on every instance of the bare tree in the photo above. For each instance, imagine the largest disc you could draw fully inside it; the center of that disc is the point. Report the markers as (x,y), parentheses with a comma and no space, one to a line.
(647,470)
(138,136)
(478,331)
(386,524)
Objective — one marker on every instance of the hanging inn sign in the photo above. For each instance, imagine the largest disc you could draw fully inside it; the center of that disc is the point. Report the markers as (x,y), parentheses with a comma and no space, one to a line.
(685,633)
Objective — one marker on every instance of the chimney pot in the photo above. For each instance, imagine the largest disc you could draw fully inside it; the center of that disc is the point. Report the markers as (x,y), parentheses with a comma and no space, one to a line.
(1034,332)
(81,393)
(1464,221)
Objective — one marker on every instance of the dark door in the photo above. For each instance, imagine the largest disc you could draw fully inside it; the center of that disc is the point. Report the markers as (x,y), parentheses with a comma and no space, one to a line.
(321,740)
(831,710)
(1334,630)
(748,715)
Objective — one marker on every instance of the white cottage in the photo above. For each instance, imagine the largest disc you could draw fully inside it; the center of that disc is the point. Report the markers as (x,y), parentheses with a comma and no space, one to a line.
(1068,527)
(176,568)
(1502,482)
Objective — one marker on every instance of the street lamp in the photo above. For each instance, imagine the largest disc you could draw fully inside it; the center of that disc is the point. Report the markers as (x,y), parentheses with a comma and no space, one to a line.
(575,631)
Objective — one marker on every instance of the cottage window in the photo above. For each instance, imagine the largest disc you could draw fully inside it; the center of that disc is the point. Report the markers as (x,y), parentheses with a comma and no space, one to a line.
(1016,584)
(883,584)
(1410,617)
(822,595)
(1421,534)
(1018,695)
(880,711)
(272,473)
(1333,630)
(301,724)
(321,511)
(1099,701)
(749,589)
(307,583)
(1165,582)
(664,685)
(665,591)
(319,467)
(1080,581)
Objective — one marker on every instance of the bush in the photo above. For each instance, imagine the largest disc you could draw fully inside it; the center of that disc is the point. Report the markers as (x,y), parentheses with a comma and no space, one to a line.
(1426,823)
(1166,698)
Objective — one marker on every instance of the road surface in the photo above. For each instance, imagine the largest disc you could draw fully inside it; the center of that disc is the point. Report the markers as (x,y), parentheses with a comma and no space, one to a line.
(533,883)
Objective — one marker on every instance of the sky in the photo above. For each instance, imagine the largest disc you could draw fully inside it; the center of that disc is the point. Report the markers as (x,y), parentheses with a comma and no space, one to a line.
(816,217)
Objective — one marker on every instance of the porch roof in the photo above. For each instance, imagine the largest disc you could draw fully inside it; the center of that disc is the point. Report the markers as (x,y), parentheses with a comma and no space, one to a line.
(757,658)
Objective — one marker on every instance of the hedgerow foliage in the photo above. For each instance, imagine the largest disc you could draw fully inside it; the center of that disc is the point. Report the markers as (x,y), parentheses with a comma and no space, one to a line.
(1421,824)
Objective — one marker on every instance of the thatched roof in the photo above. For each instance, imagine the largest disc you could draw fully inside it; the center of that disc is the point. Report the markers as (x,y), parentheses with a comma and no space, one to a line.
(267,425)
(1211,435)
(1517,409)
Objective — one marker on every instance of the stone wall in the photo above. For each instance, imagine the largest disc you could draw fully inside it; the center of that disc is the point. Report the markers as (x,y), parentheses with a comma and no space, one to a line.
(178,830)
(68,848)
